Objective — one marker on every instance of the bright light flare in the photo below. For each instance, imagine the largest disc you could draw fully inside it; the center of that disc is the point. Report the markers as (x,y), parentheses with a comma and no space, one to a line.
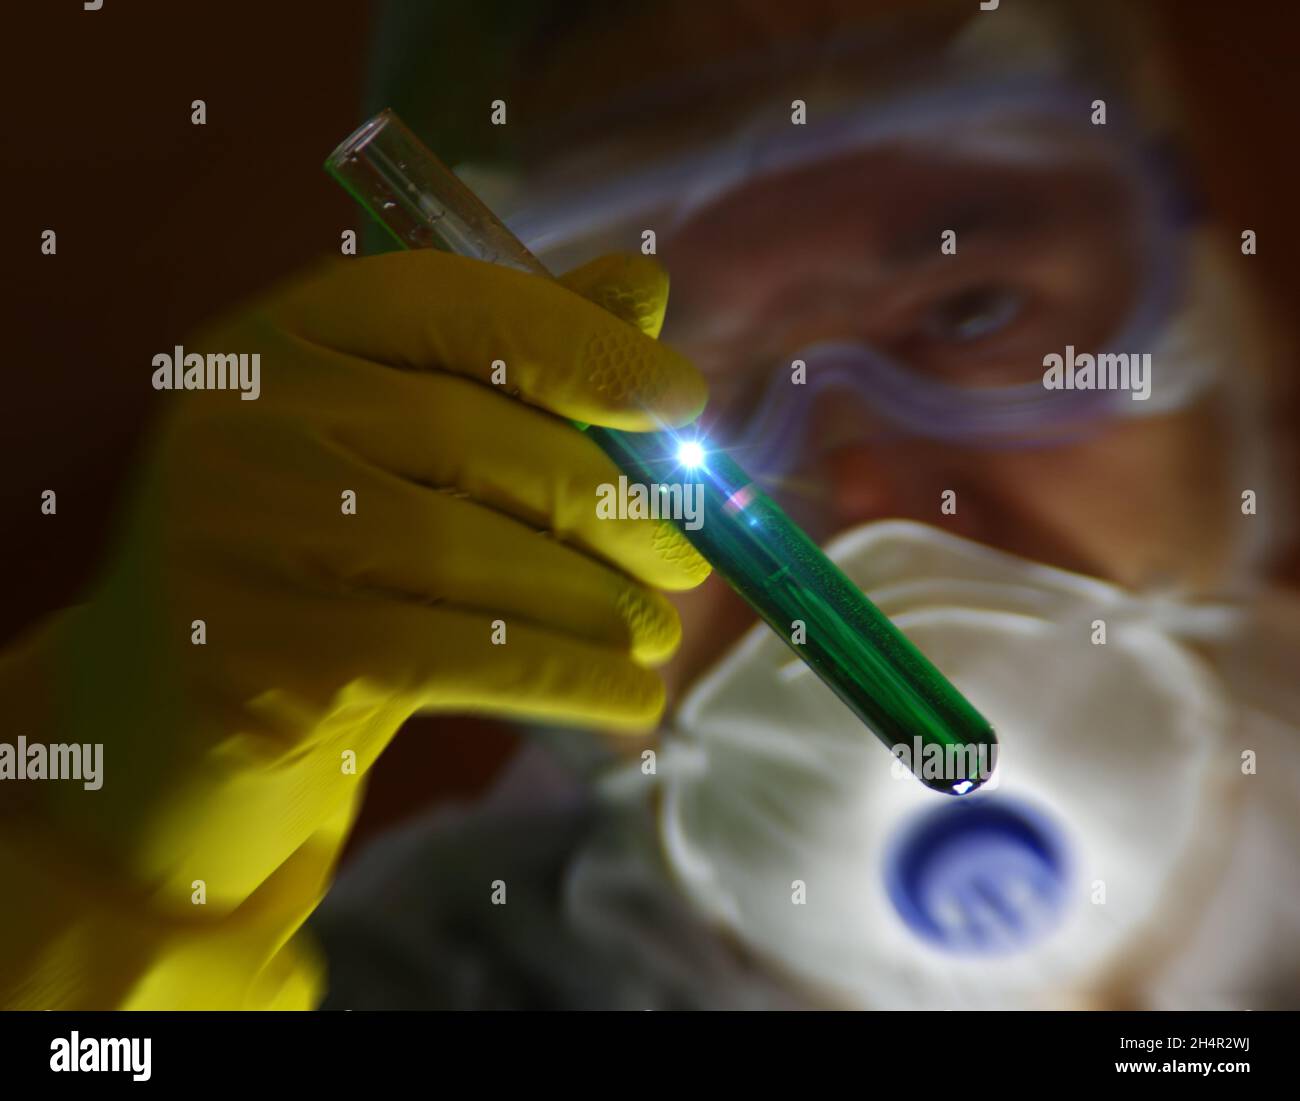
(690,453)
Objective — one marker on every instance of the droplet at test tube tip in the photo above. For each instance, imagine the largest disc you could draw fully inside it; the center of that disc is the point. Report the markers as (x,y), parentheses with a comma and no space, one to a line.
(782,574)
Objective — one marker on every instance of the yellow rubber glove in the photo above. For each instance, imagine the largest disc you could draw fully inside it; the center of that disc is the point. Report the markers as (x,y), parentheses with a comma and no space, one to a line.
(237,763)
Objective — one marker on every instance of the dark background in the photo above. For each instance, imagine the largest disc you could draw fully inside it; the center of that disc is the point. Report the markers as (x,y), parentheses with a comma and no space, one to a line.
(162,223)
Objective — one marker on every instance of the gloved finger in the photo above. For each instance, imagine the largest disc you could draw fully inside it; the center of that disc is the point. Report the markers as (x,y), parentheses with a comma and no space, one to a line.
(282,729)
(630,286)
(537,674)
(370,653)
(442,430)
(432,310)
(438,547)
(401,537)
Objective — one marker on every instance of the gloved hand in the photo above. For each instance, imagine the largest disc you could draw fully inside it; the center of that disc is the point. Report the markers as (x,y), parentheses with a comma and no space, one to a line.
(325,627)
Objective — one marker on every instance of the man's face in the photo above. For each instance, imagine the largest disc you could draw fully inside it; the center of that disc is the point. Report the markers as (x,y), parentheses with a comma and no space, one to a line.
(850,250)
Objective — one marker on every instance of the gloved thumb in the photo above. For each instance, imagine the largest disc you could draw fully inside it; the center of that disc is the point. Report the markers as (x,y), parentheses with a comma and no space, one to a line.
(630,286)
(432,310)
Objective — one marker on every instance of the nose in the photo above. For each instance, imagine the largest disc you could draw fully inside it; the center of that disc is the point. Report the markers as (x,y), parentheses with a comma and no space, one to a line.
(860,486)
(842,473)
(861,467)
(895,478)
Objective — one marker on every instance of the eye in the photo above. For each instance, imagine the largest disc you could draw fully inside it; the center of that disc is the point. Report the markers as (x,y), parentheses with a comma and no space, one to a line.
(972,314)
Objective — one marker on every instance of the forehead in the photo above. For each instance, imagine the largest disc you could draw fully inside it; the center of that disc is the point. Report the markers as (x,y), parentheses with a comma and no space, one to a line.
(896,181)
(971,157)
(647,76)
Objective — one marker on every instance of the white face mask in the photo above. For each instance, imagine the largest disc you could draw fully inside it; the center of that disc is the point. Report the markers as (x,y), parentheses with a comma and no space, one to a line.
(781,812)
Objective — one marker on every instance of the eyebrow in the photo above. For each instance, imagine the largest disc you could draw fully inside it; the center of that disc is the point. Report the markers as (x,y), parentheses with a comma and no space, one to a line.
(979,216)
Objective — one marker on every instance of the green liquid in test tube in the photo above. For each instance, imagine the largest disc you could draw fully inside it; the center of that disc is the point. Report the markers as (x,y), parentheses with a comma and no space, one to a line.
(783,575)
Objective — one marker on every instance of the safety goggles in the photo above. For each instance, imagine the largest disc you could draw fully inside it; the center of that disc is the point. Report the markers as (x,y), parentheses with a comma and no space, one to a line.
(1094,220)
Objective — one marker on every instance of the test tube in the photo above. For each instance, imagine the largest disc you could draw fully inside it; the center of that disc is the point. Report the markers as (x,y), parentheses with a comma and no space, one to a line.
(780,572)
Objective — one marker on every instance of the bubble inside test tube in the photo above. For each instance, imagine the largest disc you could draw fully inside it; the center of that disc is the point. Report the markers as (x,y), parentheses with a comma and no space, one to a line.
(780,572)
